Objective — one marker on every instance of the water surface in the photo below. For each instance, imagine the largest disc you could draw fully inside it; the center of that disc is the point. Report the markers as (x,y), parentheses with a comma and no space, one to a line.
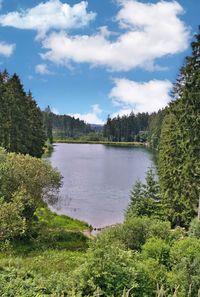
(97,180)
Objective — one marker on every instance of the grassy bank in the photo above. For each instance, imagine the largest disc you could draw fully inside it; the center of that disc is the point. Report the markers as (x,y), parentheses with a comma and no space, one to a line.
(110,143)
(41,265)
(54,221)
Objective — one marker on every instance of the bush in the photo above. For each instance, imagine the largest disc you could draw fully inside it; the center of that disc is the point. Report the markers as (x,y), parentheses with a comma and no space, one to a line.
(25,183)
(136,230)
(157,249)
(194,230)
(150,275)
(185,262)
(108,269)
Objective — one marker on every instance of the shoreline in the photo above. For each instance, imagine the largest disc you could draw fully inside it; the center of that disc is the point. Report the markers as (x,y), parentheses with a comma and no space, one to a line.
(111,143)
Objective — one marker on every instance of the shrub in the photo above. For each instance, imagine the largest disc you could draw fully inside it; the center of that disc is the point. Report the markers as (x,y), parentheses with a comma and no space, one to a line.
(136,230)
(194,230)
(185,262)
(157,249)
(108,269)
(25,183)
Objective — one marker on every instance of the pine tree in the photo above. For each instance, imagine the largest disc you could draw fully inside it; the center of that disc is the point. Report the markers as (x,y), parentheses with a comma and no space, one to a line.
(21,126)
(145,198)
(179,158)
(36,129)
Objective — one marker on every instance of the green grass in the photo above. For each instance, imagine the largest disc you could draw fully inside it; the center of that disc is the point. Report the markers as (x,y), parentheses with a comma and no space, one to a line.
(50,240)
(45,262)
(39,274)
(53,232)
(42,265)
(54,221)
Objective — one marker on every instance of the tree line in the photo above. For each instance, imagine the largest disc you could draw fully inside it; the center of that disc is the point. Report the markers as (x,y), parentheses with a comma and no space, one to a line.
(127,128)
(63,126)
(140,127)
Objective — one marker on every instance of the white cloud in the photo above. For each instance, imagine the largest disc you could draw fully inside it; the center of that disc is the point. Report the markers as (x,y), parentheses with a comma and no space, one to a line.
(52,14)
(42,69)
(55,110)
(92,117)
(6,49)
(151,31)
(140,97)
(121,112)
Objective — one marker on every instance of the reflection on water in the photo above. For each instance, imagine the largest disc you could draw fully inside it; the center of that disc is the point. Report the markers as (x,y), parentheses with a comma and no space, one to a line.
(97,180)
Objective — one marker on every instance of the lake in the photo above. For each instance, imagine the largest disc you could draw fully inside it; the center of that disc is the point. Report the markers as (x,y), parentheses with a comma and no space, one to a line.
(97,180)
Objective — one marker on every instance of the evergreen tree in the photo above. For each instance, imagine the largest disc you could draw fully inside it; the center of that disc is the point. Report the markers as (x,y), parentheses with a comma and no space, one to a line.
(4,111)
(179,158)
(145,198)
(127,128)
(65,126)
(21,126)
(48,122)
(36,130)
(155,124)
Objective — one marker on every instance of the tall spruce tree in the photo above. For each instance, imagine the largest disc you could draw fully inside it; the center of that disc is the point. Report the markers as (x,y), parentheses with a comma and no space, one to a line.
(179,157)
(21,125)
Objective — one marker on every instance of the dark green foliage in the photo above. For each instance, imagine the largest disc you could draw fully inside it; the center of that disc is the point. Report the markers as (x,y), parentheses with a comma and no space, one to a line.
(108,270)
(151,275)
(155,124)
(145,198)
(185,262)
(141,127)
(21,125)
(157,249)
(48,124)
(127,128)
(179,156)
(162,261)
(65,126)
(135,231)
(25,183)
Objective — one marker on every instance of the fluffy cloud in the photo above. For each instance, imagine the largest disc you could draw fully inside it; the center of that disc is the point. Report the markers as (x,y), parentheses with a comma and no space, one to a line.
(92,117)
(150,31)
(140,97)
(6,49)
(52,14)
(42,69)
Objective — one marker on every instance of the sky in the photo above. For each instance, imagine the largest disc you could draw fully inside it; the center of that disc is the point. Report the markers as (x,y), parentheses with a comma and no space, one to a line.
(95,58)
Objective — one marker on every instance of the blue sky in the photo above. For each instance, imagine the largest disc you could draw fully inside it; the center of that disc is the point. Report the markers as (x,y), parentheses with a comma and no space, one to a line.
(97,57)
